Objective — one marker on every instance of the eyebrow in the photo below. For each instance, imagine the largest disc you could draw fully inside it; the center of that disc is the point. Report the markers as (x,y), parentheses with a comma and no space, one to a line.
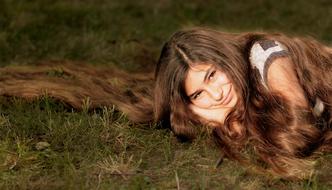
(205,79)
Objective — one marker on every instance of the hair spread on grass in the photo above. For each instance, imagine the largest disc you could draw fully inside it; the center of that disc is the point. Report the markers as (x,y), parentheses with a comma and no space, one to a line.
(80,85)
(284,138)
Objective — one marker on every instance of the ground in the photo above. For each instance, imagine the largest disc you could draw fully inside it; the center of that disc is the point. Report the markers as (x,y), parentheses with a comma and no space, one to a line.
(46,145)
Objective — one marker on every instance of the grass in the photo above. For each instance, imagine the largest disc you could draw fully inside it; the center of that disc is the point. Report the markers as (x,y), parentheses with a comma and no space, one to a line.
(46,145)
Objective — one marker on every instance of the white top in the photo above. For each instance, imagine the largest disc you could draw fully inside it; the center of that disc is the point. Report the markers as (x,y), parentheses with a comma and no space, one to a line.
(262,54)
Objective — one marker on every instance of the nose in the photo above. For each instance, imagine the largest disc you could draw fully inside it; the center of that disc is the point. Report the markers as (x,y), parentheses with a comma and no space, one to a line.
(215,92)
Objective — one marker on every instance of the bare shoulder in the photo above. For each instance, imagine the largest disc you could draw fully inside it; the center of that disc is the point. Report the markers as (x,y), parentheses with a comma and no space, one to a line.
(276,70)
(282,78)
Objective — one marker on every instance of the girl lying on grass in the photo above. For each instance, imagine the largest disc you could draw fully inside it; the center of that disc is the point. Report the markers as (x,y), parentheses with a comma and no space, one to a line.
(268,93)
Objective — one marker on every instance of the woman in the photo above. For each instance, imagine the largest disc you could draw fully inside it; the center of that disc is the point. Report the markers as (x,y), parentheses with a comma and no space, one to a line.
(262,91)
(266,91)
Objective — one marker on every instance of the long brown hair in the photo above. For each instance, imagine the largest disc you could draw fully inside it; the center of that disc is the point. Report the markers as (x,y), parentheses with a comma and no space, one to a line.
(283,137)
(82,86)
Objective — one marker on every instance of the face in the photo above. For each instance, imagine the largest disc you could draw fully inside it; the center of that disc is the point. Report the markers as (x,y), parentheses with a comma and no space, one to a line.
(211,93)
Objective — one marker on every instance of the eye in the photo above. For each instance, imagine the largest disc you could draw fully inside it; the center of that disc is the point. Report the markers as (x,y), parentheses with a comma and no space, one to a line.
(197,95)
(212,74)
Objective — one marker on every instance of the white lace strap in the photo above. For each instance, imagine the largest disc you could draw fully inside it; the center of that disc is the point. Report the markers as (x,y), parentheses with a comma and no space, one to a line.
(263,53)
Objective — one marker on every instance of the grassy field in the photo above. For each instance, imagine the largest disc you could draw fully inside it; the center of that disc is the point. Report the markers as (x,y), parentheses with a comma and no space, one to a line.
(46,145)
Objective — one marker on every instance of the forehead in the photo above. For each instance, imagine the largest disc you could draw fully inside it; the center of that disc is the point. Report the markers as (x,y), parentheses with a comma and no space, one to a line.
(195,77)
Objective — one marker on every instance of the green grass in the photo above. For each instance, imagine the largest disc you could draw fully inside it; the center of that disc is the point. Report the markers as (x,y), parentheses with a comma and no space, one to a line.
(102,149)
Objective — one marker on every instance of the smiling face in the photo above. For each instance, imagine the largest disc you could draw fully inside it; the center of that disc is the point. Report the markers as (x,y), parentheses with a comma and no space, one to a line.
(211,93)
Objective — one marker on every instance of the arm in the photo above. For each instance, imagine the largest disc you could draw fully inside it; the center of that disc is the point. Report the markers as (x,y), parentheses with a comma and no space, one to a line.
(282,78)
(272,60)
(277,73)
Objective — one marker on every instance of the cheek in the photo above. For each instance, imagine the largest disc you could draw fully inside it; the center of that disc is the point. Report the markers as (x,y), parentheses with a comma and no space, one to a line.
(203,102)
(222,78)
